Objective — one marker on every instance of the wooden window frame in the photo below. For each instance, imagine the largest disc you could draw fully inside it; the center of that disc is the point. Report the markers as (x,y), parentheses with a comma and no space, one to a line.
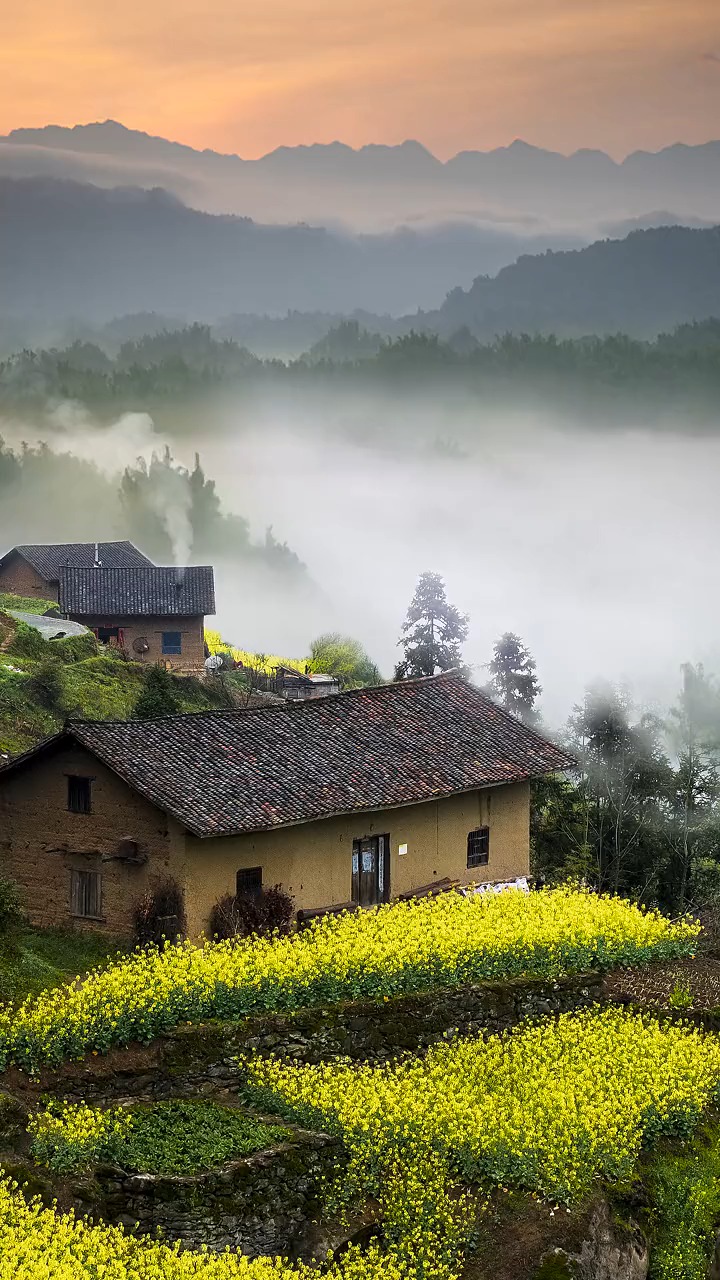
(79,785)
(86,893)
(478,847)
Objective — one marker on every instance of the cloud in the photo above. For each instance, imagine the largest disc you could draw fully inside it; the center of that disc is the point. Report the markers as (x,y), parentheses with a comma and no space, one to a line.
(710,57)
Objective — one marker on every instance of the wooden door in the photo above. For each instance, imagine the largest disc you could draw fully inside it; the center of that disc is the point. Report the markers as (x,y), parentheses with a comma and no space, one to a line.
(371,870)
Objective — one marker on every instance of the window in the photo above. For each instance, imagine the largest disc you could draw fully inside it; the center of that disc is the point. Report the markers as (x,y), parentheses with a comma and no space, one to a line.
(172,642)
(478,849)
(249,881)
(86,894)
(79,795)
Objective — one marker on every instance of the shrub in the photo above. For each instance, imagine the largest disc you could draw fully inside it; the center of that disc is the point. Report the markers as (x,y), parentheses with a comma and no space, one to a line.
(47,684)
(28,643)
(242,914)
(160,914)
(76,648)
(11,912)
(159,696)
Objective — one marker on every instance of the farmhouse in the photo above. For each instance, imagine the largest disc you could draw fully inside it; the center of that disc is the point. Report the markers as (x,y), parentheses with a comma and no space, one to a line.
(155,614)
(359,796)
(34,570)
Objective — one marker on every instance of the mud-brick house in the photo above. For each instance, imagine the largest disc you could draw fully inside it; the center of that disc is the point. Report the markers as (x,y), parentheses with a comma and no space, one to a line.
(358,796)
(34,570)
(155,614)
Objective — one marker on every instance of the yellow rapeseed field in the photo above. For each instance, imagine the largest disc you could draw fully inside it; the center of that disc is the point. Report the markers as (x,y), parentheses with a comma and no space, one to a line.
(393,950)
(549,1107)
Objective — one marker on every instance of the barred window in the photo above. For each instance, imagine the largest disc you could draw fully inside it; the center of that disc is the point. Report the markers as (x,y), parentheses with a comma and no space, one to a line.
(172,642)
(249,881)
(478,847)
(86,894)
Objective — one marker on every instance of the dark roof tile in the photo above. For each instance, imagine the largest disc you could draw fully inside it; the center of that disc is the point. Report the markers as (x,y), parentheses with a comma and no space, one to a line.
(48,558)
(224,773)
(137,592)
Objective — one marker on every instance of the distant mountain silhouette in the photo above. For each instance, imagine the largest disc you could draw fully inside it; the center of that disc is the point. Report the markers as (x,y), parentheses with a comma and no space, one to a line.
(647,283)
(70,249)
(379,184)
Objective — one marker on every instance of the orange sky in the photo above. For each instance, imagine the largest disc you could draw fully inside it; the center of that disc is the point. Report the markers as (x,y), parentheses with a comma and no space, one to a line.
(245,77)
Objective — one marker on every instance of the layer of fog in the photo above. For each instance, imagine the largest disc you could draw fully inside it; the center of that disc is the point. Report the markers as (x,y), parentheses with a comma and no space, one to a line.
(597,548)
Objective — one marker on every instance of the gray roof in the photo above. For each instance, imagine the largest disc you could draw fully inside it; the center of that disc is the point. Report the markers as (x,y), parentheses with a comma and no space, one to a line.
(49,628)
(141,592)
(48,558)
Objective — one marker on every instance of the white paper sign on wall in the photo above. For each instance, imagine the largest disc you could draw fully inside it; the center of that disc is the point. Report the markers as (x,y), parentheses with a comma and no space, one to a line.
(402,850)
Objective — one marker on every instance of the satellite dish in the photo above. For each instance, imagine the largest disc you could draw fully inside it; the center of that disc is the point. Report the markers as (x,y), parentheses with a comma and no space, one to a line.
(140,645)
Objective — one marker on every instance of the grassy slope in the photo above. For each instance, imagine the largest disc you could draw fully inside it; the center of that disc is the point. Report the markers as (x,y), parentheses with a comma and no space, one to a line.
(97,684)
(25,604)
(31,960)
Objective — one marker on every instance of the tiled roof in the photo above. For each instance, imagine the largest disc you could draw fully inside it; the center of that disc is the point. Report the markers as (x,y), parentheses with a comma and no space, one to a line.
(224,773)
(48,558)
(140,592)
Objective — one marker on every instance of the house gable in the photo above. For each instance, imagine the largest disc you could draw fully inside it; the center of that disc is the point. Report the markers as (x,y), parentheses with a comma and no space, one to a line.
(62,811)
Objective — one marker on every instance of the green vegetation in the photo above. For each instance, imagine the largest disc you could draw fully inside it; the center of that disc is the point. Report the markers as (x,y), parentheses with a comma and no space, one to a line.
(178,1137)
(25,604)
(34,960)
(684,1190)
(44,682)
(345,658)
(680,367)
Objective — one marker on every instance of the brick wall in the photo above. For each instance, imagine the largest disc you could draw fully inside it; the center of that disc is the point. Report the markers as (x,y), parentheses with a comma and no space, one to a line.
(19,577)
(41,842)
(192,633)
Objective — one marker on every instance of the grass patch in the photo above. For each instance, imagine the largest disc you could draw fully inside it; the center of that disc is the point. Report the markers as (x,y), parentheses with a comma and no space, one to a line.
(25,604)
(181,1137)
(35,960)
(684,1191)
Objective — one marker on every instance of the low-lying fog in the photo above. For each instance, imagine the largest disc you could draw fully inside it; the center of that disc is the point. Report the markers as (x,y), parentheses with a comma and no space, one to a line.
(598,548)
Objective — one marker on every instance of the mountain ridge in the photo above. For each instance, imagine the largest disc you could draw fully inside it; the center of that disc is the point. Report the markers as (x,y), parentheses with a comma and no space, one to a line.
(381,184)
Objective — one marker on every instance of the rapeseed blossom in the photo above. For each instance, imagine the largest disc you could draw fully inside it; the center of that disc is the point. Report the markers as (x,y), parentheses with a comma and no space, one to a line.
(550,1108)
(40,1244)
(398,949)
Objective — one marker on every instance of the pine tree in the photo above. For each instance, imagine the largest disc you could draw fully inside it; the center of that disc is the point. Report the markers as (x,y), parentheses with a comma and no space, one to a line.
(514,683)
(433,632)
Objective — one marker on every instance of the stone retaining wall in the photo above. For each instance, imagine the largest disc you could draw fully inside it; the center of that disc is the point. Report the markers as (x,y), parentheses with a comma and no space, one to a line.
(193,1058)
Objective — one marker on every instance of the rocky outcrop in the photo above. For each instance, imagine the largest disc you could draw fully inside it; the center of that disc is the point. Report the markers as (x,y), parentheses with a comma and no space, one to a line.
(610,1251)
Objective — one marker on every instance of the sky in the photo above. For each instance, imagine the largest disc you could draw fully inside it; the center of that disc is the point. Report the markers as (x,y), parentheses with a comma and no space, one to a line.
(455,74)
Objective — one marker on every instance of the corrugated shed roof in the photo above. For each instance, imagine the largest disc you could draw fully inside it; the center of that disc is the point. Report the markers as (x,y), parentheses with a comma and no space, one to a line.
(48,558)
(138,592)
(225,773)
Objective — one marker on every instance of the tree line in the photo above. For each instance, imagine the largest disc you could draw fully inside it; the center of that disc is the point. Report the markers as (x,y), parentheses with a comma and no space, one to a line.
(194,361)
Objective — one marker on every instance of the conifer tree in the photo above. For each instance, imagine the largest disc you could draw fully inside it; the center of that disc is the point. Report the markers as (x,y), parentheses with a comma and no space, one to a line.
(432,633)
(514,683)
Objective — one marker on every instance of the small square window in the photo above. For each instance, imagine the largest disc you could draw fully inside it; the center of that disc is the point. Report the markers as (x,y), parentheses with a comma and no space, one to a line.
(86,894)
(172,643)
(248,882)
(478,847)
(79,796)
